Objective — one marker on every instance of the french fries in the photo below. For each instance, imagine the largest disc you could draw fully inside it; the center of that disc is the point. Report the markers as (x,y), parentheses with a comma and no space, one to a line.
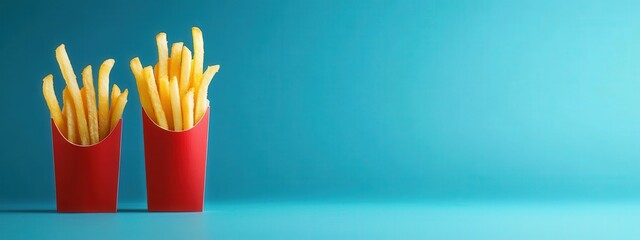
(117,108)
(201,95)
(165,99)
(176,109)
(74,92)
(154,97)
(187,110)
(163,56)
(52,102)
(175,60)
(103,97)
(198,56)
(70,116)
(136,68)
(89,97)
(82,120)
(173,92)
(115,92)
(185,70)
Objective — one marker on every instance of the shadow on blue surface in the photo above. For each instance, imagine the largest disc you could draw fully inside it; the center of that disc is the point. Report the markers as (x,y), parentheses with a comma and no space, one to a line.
(133,210)
(54,211)
(27,211)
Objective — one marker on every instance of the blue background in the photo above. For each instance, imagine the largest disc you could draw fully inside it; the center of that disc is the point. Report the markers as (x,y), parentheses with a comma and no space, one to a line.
(356,100)
(352,119)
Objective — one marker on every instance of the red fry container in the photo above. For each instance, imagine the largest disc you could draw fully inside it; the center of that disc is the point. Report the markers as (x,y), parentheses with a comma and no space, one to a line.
(87,176)
(176,164)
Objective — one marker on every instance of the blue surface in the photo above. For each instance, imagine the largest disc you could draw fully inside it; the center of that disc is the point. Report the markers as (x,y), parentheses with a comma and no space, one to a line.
(451,220)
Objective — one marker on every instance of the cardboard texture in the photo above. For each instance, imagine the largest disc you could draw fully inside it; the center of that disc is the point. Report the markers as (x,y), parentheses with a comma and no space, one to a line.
(87,176)
(176,164)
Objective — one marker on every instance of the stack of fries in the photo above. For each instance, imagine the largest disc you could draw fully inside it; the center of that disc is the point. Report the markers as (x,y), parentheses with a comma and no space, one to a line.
(81,120)
(174,92)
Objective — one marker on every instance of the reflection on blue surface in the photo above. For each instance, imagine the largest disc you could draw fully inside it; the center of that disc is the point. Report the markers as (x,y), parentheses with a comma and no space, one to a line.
(461,220)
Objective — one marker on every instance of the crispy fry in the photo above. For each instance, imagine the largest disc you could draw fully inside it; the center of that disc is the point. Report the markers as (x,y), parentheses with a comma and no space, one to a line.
(163,56)
(70,115)
(187,109)
(150,81)
(72,84)
(117,108)
(136,68)
(155,72)
(52,102)
(185,70)
(165,99)
(175,104)
(115,92)
(103,97)
(201,95)
(89,96)
(83,94)
(168,65)
(198,57)
(64,118)
(192,82)
(175,60)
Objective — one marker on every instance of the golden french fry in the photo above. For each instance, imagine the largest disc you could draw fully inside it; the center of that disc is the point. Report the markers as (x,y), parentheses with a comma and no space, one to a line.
(52,102)
(163,55)
(165,99)
(83,94)
(185,70)
(187,110)
(201,95)
(175,60)
(74,92)
(198,57)
(89,96)
(150,81)
(70,114)
(103,97)
(176,109)
(155,72)
(63,116)
(115,92)
(192,82)
(117,108)
(136,68)
(168,65)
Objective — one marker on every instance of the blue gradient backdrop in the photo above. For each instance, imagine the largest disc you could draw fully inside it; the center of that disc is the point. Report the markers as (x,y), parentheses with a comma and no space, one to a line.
(356,99)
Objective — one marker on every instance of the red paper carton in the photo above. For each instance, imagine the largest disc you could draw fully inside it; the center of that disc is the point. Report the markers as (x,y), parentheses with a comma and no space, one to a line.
(87,176)
(176,164)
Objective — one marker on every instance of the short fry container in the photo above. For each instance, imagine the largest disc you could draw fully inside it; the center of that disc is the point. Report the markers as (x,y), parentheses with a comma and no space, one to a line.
(176,165)
(86,177)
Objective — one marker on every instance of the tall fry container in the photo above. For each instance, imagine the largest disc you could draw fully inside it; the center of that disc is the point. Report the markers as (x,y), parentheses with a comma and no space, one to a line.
(176,163)
(86,177)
